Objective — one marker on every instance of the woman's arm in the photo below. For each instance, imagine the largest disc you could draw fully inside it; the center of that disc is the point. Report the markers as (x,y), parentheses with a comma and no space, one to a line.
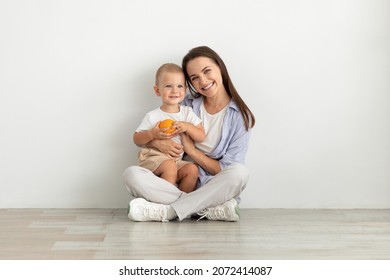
(232,148)
(212,166)
(167,146)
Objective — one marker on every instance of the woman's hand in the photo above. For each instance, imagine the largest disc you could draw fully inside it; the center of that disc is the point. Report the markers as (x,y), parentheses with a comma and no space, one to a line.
(167,146)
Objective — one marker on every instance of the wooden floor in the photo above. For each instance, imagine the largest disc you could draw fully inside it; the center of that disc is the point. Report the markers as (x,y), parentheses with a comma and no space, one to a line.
(273,234)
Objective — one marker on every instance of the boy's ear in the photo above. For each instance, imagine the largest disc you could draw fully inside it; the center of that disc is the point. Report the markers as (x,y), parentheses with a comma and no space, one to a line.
(156,91)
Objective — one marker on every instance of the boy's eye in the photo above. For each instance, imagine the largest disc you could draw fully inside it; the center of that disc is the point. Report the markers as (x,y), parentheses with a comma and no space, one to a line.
(168,86)
(180,86)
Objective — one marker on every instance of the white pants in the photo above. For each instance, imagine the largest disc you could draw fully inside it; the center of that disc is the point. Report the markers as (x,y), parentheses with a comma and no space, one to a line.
(227,184)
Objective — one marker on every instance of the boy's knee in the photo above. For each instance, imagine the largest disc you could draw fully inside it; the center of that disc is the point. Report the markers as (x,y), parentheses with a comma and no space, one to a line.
(188,170)
(192,169)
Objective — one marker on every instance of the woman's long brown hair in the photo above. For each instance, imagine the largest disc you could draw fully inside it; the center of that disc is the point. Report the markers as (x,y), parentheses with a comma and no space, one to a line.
(205,51)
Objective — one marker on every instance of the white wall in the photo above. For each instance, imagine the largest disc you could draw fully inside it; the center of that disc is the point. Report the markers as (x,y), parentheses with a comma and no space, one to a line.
(76,77)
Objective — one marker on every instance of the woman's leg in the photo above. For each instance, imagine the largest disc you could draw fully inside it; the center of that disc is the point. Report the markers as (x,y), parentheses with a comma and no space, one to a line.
(142,183)
(227,184)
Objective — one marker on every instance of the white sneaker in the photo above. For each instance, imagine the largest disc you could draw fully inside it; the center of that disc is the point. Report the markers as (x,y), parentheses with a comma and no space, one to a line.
(227,211)
(141,210)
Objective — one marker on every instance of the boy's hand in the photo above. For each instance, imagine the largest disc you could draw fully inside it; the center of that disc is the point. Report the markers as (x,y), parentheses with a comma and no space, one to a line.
(159,133)
(181,127)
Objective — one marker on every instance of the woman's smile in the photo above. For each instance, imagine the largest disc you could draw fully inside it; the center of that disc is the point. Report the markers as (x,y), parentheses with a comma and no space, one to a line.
(208,86)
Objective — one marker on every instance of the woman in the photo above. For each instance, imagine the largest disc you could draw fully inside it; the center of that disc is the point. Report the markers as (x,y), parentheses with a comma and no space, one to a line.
(220,158)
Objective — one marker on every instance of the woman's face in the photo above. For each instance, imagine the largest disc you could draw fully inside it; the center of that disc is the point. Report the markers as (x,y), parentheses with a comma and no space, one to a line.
(205,76)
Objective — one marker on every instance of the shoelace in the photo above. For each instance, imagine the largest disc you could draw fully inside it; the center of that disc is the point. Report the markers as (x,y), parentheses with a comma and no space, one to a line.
(156,214)
(216,213)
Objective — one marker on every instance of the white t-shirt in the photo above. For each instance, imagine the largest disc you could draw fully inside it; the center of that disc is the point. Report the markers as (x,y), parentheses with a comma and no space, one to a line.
(212,125)
(185,115)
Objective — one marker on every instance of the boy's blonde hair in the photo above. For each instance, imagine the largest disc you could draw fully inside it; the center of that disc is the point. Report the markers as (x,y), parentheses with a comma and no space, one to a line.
(167,67)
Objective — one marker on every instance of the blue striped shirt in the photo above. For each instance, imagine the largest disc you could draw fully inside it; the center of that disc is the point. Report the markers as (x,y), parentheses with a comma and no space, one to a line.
(234,141)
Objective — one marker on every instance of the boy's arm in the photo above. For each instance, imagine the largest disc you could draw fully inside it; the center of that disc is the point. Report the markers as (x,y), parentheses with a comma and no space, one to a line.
(143,137)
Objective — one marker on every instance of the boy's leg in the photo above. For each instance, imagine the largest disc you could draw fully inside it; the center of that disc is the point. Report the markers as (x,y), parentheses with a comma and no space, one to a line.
(187,177)
(167,170)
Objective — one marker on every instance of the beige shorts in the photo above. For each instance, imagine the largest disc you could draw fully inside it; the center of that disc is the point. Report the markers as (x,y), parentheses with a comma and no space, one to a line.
(151,159)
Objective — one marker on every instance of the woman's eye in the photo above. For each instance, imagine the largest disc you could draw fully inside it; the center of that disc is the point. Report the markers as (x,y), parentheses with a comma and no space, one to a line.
(194,78)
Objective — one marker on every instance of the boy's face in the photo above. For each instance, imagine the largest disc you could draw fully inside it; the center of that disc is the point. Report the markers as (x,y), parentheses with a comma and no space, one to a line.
(171,88)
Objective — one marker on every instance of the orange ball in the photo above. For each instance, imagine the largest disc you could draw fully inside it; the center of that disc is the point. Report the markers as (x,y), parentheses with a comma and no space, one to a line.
(167,124)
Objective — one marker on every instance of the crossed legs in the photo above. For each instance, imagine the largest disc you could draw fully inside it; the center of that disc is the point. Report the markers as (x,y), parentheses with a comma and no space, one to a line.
(228,184)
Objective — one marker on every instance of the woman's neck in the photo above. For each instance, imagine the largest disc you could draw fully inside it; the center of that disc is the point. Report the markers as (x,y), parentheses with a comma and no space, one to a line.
(216,103)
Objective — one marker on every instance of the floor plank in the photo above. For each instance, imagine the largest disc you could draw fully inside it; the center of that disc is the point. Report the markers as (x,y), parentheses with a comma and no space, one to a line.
(274,234)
